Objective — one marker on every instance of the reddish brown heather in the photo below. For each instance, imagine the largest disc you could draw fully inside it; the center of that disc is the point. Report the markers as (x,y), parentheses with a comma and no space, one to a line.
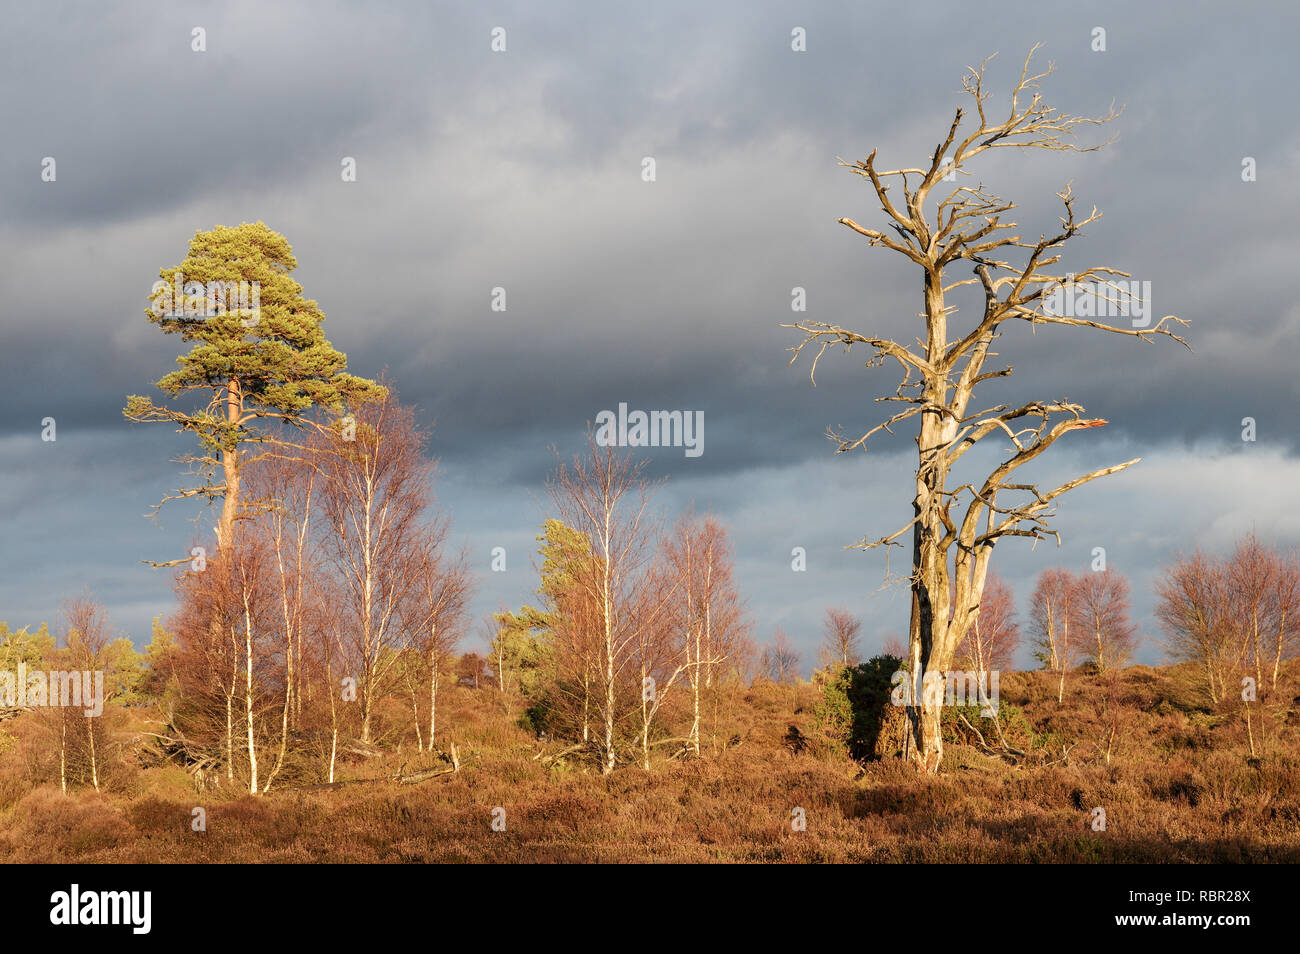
(1180,787)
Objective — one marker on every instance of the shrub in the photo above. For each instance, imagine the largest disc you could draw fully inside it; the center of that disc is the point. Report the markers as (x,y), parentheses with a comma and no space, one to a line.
(854,711)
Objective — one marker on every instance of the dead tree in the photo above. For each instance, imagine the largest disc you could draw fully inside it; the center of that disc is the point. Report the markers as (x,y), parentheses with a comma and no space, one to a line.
(951,548)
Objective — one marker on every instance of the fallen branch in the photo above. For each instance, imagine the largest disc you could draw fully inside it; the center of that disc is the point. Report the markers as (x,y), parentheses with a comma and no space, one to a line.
(364,749)
(412,777)
(1007,751)
(560,754)
(408,778)
(1065,755)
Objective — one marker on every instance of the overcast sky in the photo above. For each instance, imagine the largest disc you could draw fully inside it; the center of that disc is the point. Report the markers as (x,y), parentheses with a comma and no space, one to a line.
(523,169)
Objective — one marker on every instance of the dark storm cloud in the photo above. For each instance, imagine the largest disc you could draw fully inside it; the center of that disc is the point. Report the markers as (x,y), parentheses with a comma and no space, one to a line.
(522,170)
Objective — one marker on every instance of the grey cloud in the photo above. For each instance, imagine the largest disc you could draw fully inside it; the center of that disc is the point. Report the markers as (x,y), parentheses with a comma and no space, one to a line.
(522,170)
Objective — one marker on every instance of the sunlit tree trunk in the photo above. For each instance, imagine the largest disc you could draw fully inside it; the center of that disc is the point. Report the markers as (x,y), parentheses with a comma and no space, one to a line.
(94,764)
(586,703)
(230,712)
(230,466)
(415,718)
(248,695)
(330,690)
(433,685)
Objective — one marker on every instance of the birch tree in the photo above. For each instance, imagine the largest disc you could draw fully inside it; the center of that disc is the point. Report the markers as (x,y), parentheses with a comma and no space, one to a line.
(840,635)
(1232,616)
(1284,634)
(434,615)
(1050,610)
(780,659)
(87,648)
(1263,589)
(662,654)
(956,523)
(253,614)
(991,642)
(285,491)
(208,664)
(1194,610)
(1101,619)
(705,609)
(604,496)
(374,489)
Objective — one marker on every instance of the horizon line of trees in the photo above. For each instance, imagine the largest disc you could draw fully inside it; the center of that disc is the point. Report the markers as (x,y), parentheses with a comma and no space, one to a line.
(1235,616)
(277,657)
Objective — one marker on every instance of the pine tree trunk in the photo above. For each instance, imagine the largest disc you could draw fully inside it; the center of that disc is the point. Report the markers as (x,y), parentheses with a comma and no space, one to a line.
(230,466)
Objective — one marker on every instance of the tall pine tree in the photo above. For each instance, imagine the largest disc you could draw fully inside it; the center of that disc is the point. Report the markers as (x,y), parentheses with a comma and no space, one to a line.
(259,355)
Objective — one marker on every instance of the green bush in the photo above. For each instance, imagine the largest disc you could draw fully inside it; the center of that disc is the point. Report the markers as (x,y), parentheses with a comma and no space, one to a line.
(854,713)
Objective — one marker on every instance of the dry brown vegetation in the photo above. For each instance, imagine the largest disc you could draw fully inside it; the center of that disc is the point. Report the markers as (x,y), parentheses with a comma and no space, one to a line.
(1180,787)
